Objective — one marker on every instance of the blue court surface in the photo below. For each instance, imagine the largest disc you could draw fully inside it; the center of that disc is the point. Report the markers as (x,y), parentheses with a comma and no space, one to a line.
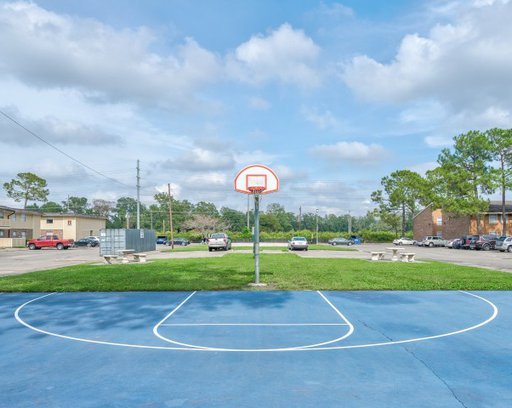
(256,349)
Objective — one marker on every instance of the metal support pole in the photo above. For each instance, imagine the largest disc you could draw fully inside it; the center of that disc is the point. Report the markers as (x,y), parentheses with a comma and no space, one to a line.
(316,226)
(138,195)
(248,212)
(257,237)
(170,215)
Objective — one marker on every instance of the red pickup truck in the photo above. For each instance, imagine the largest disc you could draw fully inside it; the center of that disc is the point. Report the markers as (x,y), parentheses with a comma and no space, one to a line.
(49,241)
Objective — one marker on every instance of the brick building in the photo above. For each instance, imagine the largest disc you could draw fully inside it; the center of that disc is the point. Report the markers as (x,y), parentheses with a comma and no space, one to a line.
(434,222)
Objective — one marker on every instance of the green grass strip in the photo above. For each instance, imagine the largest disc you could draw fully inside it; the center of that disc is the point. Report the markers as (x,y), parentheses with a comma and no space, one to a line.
(283,272)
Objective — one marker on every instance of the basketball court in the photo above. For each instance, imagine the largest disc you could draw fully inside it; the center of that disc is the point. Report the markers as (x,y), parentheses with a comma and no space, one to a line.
(256,349)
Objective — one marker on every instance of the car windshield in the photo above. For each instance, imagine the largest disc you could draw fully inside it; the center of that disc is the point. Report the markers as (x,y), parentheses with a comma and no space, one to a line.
(298,239)
(218,235)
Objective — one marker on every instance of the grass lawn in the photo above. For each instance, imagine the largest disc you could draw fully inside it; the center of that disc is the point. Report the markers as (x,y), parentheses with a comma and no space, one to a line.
(283,272)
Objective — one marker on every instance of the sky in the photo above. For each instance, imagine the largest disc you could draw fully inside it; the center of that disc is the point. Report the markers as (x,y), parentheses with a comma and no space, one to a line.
(331,95)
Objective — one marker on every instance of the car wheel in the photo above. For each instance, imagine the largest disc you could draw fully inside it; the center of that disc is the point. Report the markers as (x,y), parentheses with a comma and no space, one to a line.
(486,247)
(210,249)
(509,249)
(89,245)
(32,246)
(431,245)
(60,246)
(334,244)
(350,244)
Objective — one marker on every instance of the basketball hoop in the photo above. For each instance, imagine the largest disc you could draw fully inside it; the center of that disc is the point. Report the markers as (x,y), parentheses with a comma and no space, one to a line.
(256,189)
(256,180)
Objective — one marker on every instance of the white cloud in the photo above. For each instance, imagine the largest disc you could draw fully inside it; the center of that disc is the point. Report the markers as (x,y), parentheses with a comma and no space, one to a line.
(259,103)
(466,64)
(53,130)
(335,10)
(422,168)
(323,120)
(340,152)
(199,160)
(286,55)
(49,50)
(438,141)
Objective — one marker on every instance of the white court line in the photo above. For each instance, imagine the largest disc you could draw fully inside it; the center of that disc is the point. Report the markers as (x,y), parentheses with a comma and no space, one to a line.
(155,328)
(253,324)
(307,346)
(140,346)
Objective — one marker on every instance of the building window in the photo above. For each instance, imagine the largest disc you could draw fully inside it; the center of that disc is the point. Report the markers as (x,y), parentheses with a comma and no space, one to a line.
(493,218)
(24,217)
(49,221)
(70,222)
(439,220)
(13,217)
(1,215)
(1,233)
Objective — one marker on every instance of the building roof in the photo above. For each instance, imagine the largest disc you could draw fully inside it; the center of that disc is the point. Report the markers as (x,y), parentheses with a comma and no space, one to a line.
(495,207)
(46,214)
(19,210)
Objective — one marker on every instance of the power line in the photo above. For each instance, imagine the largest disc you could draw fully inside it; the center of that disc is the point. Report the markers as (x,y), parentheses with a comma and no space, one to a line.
(59,150)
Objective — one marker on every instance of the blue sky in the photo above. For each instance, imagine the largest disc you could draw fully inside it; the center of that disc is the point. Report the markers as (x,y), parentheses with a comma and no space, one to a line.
(332,95)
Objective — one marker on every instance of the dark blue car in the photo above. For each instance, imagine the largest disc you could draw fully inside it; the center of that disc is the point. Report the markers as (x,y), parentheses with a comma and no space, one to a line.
(161,240)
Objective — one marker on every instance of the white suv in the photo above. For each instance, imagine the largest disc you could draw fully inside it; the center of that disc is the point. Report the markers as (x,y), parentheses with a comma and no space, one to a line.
(432,241)
(504,244)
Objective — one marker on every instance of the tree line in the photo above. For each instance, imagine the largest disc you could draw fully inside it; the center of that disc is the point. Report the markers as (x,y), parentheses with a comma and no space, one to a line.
(479,164)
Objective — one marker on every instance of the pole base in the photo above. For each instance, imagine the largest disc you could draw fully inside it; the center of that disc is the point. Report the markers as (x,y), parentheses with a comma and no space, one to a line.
(257,285)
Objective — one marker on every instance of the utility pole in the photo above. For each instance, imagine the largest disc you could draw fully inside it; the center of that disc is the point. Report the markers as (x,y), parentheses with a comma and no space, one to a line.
(300,218)
(127,220)
(151,218)
(316,226)
(349,223)
(138,195)
(170,214)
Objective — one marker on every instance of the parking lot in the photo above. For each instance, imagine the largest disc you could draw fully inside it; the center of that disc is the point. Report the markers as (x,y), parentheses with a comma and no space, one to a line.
(17,261)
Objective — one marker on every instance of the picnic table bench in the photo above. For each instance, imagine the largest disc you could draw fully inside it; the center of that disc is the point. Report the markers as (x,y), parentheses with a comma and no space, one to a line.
(407,256)
(377,255)
(109,258)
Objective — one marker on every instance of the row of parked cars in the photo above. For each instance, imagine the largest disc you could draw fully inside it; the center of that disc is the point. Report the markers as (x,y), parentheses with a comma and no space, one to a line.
(163,240)
(54,241)
(479,242)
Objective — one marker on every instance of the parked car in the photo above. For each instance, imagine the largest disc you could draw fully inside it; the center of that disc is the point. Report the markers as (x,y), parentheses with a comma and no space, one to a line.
(356,240)
(298,243)
(404,241)
(49,241)
(178,242)
(455,243)
(341,241)
(484,242)
(86,242)
(468,241)
(95,238)
(504,244)
(432,241)
(161,240)
(219,240)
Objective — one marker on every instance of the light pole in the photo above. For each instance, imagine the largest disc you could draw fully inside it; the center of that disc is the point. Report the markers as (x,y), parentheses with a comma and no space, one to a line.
(316,226)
